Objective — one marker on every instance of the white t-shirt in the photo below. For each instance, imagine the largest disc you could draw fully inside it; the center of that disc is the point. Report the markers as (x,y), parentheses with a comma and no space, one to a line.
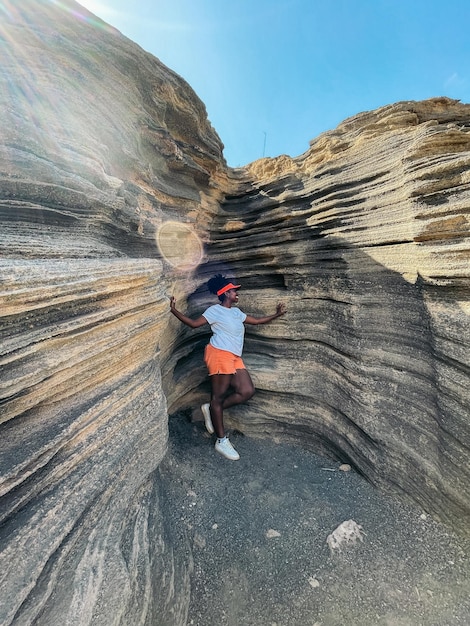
(227,328)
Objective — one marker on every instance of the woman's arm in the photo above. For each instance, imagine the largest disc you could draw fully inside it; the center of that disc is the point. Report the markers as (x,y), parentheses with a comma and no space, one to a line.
(280,310)
(200,321)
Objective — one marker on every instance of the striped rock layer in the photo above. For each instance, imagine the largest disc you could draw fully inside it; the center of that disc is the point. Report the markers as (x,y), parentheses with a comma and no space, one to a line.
(364,237)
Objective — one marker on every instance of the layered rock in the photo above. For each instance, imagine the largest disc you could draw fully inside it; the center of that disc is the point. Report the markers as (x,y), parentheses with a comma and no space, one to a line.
(100,146)
(365,237)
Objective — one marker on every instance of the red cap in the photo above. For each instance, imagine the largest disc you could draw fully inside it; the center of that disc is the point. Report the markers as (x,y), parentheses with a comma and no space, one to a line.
(227,288)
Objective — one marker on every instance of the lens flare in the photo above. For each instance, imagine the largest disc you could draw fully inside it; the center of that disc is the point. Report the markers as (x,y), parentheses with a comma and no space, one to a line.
(88,5)
(179,245)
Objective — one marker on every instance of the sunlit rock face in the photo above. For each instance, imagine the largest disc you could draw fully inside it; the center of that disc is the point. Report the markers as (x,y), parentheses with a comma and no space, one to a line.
(100,145)
(364,237)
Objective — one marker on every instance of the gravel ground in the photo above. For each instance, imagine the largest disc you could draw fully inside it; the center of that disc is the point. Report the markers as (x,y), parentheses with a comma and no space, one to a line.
(259,529)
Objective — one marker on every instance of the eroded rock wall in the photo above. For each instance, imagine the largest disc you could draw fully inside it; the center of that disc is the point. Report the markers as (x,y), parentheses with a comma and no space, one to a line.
(100,144)
(365,237)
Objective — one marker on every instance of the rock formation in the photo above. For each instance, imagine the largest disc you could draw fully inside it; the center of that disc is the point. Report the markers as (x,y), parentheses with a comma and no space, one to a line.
(365,237)
(100,145)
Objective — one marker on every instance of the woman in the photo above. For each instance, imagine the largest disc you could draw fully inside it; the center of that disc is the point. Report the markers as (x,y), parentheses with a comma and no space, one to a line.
(230,382)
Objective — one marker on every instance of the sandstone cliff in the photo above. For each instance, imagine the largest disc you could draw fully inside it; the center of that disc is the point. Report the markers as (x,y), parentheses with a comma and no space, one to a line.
(365,237)
(100,145)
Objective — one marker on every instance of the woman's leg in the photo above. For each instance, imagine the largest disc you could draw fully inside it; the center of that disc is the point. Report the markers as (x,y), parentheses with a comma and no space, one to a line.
(243,389)
(220,384)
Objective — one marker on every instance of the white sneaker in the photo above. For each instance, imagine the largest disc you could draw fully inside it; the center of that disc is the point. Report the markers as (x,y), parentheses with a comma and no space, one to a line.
(225,448)
(206,411)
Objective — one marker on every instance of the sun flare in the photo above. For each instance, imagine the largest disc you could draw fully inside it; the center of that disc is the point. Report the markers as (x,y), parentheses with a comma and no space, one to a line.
(94,6)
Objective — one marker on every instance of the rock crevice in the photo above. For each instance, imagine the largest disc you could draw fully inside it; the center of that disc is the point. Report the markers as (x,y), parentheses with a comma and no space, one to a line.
(365,237)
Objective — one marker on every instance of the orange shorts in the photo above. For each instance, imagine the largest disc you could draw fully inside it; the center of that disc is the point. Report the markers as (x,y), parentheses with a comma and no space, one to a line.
(222,361)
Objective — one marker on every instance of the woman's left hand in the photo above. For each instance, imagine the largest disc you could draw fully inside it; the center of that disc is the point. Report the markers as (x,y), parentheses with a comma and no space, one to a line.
(280,308)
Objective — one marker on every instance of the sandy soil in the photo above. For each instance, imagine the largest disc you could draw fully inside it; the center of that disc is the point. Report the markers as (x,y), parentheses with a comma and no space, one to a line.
(258,528)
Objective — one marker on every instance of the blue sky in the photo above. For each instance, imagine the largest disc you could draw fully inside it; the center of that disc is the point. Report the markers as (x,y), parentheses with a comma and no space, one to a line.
(275,74)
